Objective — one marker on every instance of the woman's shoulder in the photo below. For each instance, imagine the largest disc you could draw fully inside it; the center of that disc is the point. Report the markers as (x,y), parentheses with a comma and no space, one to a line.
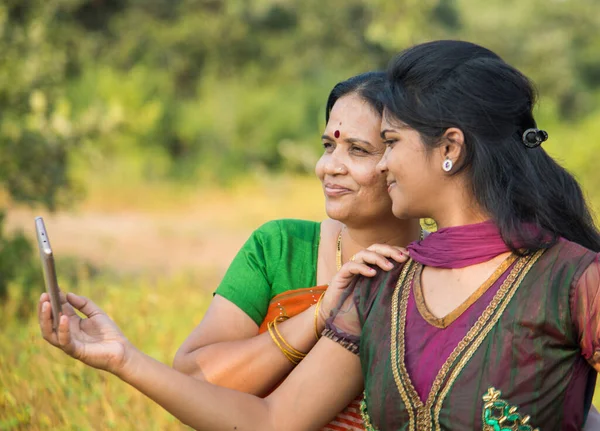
(569,259)
(276,233)
(288,227)
(571,251)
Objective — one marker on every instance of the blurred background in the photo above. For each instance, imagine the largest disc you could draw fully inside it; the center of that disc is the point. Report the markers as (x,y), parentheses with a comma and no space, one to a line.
(155,135)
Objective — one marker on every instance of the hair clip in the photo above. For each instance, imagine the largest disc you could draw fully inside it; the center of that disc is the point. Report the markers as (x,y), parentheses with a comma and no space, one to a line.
(534,137)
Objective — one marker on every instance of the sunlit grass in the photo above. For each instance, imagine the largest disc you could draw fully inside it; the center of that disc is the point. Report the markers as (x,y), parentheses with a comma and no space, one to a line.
(43,389)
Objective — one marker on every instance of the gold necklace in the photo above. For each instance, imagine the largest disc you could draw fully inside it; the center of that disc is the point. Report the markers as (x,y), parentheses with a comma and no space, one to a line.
(338,251)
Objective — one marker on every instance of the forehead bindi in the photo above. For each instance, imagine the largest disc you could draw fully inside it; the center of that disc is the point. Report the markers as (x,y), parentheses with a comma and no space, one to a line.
(337,131)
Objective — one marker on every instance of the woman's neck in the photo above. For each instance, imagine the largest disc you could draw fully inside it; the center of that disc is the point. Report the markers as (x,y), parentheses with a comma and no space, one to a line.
(460,220)
(458,208)
(395,232)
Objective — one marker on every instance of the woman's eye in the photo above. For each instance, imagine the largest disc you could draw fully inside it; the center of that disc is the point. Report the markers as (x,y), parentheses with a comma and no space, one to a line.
(359,150)
(389,142)
(327,145)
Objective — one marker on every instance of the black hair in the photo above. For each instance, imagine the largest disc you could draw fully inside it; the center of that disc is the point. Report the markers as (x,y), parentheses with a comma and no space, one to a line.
(437,85)
(367,85)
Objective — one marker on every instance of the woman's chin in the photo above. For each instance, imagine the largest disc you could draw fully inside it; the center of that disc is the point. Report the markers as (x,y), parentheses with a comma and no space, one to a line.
(336,212)
(401,211)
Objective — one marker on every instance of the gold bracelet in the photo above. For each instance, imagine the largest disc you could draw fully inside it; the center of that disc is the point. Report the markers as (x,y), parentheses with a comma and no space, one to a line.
(293,355)
(278,344)
(293,352)
(317,316)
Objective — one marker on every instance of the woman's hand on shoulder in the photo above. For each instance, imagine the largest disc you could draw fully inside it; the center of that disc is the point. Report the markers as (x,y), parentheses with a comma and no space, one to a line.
(362,263)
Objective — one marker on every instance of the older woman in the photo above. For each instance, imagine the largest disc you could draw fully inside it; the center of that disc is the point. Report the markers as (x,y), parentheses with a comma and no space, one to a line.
(493,323)
(278,276)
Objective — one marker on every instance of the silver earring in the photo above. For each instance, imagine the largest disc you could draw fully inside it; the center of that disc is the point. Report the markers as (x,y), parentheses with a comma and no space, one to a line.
(447,165)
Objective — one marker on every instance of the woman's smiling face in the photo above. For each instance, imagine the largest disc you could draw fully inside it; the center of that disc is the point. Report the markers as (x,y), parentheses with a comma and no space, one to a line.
(355,190)
(414,175)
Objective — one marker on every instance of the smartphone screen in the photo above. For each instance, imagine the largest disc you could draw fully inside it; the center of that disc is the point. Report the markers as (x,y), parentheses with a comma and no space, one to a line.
(47,259)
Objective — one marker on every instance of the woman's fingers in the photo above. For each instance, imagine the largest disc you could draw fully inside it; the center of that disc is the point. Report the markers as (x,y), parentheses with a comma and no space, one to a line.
(43,298)
(66,308)
(83,304)
(350,269)
(45,321)
(399,254)
(62,336)
(65,341)
(374,258)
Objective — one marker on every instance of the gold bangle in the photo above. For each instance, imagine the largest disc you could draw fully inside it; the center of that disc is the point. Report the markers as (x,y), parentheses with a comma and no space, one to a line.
(293,352)
(278,344)
(293,355)
(317,316)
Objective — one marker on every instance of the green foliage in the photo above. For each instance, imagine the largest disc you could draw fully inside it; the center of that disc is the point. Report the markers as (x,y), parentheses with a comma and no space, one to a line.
(17,266)
(222,87)
(35,128)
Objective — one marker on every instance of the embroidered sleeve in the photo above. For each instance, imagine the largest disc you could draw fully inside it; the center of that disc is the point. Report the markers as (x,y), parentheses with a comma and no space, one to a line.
(343,325)
(585,312)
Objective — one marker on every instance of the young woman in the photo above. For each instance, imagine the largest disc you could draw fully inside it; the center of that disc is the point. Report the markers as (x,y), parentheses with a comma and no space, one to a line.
(283,269)
(493,324)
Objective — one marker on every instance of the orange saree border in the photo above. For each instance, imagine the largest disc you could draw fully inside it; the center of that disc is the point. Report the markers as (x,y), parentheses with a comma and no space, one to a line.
(291,303)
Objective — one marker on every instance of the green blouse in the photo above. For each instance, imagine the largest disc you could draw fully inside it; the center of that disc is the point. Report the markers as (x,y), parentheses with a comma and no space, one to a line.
(280,255)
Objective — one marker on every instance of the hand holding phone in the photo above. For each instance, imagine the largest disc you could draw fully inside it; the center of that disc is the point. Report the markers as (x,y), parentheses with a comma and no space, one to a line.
(47,259)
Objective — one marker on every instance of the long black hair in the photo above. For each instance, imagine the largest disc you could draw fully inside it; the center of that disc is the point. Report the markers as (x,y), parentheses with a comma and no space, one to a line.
(534,201)
(367,85)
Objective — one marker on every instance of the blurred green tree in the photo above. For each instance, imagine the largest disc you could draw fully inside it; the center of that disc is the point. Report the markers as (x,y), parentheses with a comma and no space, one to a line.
(36,131)
(209,89)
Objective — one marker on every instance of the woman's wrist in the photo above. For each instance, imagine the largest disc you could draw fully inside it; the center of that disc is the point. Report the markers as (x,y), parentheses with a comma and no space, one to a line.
(128,366)
(321,315)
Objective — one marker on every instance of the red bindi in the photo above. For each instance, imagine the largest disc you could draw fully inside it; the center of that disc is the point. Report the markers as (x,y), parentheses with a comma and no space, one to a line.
(336,134)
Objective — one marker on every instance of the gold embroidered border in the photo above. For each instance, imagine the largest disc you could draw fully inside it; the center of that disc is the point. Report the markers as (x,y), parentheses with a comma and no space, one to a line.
(448,319)
(407,274)
(317,290)
(484,332)
(403,382)
(365,414)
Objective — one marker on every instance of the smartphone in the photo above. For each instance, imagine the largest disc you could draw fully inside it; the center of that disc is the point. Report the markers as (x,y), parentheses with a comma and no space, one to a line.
(47,259)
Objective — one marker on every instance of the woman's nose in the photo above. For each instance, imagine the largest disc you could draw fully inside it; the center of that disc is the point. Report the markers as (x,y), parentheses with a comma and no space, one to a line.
(335,166)
(382,164)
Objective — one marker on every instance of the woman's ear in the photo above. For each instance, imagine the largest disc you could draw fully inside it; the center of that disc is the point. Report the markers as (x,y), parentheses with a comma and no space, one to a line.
(452,146)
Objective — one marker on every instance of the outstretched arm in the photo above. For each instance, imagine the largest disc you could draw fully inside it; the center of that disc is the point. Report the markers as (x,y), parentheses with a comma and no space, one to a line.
(321,386)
